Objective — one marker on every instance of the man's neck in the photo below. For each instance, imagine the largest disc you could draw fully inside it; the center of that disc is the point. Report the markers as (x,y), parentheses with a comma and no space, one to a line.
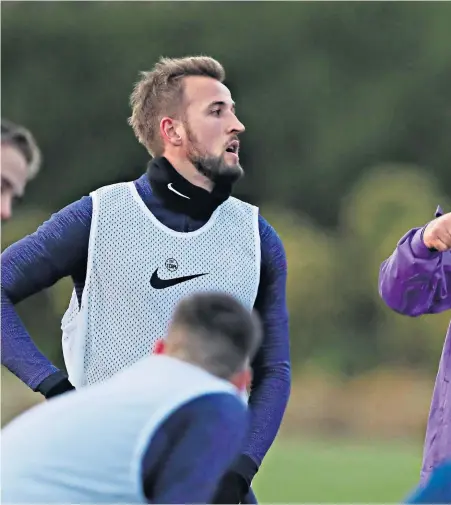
(188,171)
(181,195)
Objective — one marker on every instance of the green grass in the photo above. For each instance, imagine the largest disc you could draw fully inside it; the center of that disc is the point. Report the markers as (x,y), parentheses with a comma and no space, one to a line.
(337,472)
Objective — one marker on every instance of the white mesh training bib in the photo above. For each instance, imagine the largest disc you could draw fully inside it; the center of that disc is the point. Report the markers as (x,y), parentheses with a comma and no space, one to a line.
(138,270)
(88,447)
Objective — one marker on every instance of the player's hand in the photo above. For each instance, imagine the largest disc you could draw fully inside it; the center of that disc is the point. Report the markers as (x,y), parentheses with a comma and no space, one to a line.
(232,489)
(437,234)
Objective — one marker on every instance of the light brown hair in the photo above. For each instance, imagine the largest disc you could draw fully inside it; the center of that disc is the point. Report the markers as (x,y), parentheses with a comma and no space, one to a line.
(159,93)
(20,138)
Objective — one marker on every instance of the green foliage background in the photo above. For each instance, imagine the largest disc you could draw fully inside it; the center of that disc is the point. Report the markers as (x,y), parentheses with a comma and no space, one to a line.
(348,115)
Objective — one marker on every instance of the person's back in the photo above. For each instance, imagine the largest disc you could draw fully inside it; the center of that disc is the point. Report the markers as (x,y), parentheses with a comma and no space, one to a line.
(95,439)
(164,430)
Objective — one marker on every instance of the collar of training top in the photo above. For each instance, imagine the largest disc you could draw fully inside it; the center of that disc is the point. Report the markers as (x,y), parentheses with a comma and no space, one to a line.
(180,195)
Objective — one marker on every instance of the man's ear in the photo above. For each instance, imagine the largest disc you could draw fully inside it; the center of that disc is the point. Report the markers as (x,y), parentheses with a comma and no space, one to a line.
(160,347)
(169,131)
(242,380)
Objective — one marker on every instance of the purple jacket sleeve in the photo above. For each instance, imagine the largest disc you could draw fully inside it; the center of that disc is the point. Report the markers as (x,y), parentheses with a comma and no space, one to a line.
(30,265)
(271,367)
(414,280)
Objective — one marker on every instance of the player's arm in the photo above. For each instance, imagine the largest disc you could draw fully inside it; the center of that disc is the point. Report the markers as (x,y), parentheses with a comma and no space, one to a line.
(271,369)
(188,455)
(34,263)
(416,278)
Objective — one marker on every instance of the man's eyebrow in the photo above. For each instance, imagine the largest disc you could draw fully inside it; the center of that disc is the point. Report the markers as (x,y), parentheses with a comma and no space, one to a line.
(221,103)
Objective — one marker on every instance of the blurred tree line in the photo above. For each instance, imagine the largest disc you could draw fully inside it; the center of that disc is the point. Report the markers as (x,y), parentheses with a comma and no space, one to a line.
(348,115)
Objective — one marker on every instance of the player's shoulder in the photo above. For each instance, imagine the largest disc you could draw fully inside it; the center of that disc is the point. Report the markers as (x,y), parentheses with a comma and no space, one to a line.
(76,214)
(208,413)
(234,204)
(121,185)
(267,231)
(114,195)
(110,189)
(271,241)
(221,406)
(80,211)
(272,247)
(82,205)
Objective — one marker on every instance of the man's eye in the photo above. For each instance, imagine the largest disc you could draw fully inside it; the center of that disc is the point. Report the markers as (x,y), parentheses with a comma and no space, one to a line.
(216,112)
(5,185)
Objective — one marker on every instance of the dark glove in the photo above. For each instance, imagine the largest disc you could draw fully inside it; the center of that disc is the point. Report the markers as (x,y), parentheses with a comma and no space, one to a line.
(232,489)
(235,484)
(54,385)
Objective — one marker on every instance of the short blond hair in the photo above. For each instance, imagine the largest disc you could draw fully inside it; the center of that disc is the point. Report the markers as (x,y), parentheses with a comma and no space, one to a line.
(20,138)
(159,93)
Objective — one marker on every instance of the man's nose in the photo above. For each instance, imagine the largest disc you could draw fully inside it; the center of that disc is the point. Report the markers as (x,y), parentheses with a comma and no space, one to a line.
(6,207)
(237,126)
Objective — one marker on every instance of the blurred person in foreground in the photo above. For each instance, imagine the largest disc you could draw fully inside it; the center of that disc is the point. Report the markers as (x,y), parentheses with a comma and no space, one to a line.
(20,162)
(416,280)
(164,430)
(437,490)
(135,249)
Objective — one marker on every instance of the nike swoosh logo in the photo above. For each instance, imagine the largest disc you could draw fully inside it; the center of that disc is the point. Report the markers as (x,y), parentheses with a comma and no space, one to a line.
(176,192)
(158,283)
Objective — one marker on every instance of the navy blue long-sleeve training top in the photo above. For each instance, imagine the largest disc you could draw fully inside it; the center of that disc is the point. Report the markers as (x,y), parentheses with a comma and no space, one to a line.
(182,439)
(59,248)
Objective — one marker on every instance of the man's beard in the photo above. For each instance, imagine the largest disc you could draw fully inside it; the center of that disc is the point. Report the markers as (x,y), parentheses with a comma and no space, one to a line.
(214,168)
